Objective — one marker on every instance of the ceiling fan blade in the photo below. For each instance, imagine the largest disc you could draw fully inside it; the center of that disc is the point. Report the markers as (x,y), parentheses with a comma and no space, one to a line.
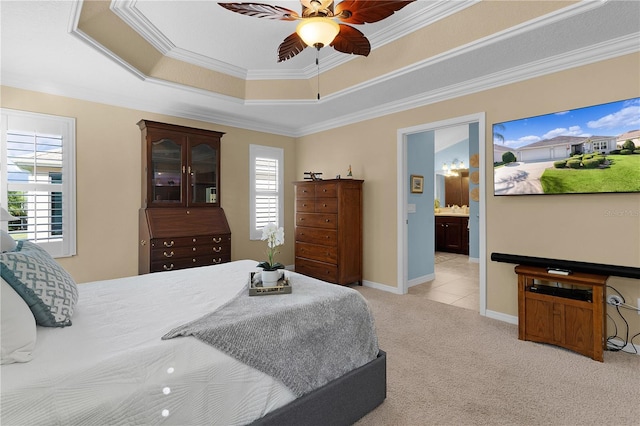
(351,40)
(367,11)
(290,47)
(261,10)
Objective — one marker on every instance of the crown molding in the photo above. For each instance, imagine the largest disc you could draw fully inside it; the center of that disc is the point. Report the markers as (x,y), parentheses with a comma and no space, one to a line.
(585,56)
(424,17)
(130,14)
(579,57)
(498,37)
(127,11)
(461,50)
(390,33)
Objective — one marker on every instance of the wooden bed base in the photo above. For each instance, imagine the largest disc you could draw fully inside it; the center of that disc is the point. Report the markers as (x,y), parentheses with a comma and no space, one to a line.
(341,402)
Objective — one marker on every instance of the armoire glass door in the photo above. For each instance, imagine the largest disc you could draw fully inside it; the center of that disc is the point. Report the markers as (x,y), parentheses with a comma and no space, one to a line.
(203,173)
(166,165)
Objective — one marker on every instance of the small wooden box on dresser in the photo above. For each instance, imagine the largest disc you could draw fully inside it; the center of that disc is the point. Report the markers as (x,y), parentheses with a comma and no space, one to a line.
(181,223)
(328,233)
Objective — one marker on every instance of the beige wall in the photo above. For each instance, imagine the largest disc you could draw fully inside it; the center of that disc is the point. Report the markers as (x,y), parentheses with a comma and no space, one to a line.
(574,227)
(108,150)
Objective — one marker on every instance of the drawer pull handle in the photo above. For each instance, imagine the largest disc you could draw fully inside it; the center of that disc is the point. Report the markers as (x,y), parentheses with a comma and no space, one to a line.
(327,220)
(168,254)
(217,249)
(194,240)
(217,240)
(194,260)
(301,219)
(304,205)
(143,242)
(167,268)
(217,261)
(193,249)
(166,244)
(324,190)
(324,205)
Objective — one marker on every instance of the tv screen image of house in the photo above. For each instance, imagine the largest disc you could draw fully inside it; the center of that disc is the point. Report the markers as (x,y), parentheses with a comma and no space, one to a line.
(595,149)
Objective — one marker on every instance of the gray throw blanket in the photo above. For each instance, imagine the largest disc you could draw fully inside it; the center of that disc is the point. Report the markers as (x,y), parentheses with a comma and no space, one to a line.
(304,339)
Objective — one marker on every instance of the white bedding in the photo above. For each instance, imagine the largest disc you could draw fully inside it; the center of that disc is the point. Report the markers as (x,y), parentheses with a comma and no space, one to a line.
(111,367)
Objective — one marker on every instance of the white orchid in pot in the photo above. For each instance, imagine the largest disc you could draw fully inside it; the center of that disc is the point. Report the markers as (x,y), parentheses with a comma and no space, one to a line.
(270,269)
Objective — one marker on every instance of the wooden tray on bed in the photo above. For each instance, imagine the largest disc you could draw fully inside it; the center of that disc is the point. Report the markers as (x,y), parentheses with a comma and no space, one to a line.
(256,289)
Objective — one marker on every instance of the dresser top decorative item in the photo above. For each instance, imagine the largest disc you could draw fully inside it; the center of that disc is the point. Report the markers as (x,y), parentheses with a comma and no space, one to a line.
(313,175)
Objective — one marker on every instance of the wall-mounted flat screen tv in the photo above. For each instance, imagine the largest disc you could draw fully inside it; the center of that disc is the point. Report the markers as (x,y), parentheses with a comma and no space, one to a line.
(588,150)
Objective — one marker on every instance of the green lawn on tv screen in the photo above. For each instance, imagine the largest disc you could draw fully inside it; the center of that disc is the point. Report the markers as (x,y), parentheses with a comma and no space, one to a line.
(622,175)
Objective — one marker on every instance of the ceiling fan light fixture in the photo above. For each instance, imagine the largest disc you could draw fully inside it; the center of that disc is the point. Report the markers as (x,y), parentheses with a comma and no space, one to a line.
(318,31)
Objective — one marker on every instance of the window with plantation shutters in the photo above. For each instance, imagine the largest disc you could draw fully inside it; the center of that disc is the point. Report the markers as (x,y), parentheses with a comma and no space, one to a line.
(266,198)
(37,179)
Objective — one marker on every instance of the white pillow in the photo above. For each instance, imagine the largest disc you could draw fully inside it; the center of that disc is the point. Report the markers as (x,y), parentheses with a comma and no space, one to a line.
(17,327)
(7,243)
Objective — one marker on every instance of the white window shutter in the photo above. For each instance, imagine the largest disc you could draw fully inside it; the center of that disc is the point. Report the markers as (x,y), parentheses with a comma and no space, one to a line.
(266,197)
(37,175)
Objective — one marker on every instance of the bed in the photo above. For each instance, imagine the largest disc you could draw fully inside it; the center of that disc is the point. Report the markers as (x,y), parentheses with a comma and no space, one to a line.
(118,362)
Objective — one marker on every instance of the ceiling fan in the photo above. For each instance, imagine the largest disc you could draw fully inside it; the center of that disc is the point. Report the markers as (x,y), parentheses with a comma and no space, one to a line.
(318,28)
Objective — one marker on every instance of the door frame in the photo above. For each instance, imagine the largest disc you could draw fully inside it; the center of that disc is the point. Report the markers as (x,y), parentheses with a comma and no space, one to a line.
(403,185)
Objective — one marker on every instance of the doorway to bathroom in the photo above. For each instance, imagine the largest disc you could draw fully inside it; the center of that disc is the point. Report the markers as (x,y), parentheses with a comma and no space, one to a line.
(416,212)
(456,265)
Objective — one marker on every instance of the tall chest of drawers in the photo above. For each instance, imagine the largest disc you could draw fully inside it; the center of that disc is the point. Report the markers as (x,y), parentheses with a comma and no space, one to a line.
(328,233)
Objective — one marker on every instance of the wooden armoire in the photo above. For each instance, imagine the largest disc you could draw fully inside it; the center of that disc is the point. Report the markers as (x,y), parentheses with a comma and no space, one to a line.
(181,223)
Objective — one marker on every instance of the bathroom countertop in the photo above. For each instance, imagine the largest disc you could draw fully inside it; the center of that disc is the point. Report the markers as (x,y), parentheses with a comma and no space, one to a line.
(449,211)
(452,214)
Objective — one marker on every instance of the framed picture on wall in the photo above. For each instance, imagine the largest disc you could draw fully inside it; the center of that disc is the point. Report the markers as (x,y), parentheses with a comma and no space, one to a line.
(417,183)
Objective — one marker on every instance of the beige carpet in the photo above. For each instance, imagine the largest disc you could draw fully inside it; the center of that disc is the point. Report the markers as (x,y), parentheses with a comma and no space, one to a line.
(450,366)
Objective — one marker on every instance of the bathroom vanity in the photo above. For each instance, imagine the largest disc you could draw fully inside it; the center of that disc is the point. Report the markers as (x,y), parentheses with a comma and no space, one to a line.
(452,230)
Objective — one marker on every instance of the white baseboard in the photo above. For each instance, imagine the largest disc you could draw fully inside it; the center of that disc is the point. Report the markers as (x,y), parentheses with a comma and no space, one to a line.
(421,280)
(511,319)
(378,286)
(396,290)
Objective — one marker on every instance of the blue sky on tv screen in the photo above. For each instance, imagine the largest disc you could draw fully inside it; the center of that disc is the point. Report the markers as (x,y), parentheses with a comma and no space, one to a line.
(610,119)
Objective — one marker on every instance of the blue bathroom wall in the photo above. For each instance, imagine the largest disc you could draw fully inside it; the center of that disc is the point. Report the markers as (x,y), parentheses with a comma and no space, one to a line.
(421,224)
(474,206)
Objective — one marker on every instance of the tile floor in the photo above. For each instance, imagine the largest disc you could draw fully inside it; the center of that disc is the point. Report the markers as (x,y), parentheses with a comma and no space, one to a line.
(456,283)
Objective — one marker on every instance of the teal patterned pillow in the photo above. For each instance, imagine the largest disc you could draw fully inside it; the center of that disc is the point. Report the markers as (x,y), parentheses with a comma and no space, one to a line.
(47,288)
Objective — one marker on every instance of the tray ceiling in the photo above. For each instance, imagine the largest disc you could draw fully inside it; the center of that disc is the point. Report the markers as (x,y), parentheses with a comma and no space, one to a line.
(196,60)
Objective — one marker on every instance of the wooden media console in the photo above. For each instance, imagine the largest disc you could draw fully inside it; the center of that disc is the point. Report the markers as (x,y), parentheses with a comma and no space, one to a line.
(563,310)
